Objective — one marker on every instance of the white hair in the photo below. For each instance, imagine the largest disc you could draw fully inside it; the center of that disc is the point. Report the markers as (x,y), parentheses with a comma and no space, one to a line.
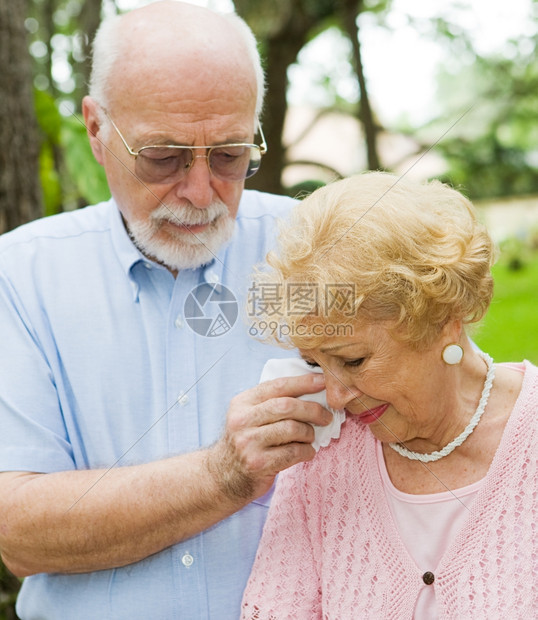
(107,49)
(252,48)
(105,53)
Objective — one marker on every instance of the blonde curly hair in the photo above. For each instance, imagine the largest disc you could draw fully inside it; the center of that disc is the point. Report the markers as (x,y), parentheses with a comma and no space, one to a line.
(412,254)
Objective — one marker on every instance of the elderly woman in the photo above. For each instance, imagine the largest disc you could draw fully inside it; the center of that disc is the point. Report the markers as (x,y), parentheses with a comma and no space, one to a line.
(426,506)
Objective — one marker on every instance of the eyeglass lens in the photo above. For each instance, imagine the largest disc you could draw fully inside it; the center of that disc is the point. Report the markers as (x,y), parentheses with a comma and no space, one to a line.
(229,163)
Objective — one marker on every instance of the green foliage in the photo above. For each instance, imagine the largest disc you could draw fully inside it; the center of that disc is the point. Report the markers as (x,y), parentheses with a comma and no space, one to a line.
(492,150)
(488,169)
(9,587)
(509,332)
(48,117)
(515,253)
(88,176)
(304,189)
(59,33)
(50,180)
(49,121)
(68,171)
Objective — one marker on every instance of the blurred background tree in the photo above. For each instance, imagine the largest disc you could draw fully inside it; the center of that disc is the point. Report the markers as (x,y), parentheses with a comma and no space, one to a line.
(490,152)
(496,154)
(283,28)
(53,75)
(20,196)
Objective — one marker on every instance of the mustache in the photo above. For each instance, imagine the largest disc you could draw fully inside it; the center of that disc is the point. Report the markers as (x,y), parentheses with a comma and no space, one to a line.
(189,215)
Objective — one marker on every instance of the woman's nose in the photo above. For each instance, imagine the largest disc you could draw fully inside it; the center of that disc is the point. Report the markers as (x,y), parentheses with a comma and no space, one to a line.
(339,394)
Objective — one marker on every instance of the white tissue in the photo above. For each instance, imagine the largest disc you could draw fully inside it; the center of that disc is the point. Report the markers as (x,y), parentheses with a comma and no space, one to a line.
(294,367)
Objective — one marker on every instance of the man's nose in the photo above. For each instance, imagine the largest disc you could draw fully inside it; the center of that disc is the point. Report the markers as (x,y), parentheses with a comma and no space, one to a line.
(196,184)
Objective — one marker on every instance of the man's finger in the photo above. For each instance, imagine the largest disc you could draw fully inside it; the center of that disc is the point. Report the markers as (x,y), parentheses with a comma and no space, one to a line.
(286,386)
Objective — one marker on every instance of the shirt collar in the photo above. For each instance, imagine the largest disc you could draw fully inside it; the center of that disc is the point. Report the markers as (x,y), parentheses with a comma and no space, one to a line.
(214,271)
(126,251)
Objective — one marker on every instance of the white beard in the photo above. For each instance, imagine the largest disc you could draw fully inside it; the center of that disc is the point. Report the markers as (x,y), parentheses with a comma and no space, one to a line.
(185,250)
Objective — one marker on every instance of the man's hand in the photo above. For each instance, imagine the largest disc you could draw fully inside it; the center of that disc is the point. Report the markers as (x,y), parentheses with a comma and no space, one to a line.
(268,429)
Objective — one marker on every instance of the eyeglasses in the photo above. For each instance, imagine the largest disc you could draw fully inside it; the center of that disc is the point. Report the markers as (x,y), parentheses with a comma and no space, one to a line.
(172,162)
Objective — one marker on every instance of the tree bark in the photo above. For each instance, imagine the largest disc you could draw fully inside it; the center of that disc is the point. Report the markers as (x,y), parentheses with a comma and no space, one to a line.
(288,31)
(350,12)
(282,50)
(20,191)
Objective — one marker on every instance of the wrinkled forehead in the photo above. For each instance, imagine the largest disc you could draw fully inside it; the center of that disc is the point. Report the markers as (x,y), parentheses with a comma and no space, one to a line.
(339,328)
(191,93)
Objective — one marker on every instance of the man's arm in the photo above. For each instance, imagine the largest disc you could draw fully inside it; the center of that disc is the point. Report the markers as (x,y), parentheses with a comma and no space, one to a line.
(82,521)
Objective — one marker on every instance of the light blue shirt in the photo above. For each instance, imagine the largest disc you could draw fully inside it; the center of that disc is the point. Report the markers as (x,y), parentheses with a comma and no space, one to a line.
(102,364)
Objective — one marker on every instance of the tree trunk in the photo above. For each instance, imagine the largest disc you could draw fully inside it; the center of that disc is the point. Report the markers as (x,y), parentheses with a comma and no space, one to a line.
(351,10)
(47,9)
(282,51)
(20,191)
(283,35)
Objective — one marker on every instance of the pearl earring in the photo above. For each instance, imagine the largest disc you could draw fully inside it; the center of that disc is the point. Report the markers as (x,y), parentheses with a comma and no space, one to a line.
(452,354)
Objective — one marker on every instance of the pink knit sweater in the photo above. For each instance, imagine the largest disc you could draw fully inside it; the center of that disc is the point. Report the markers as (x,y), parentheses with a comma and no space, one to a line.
(331,550)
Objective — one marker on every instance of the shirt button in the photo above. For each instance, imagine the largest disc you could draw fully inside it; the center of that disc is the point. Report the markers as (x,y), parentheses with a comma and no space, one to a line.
(179,321)
(428,578)
(148,265)
(187,560)
(212,277)
(182,399)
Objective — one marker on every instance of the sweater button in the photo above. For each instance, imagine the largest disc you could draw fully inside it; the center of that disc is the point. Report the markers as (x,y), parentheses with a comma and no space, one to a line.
(428,578)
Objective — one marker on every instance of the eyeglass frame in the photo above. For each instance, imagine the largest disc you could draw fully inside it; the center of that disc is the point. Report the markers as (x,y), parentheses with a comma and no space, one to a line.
(261,147)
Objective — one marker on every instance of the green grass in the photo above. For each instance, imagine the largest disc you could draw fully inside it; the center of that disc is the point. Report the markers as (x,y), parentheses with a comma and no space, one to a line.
(509,332)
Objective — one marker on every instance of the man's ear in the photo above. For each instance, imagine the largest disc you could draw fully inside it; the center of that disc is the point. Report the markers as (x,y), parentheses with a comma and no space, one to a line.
(92,120)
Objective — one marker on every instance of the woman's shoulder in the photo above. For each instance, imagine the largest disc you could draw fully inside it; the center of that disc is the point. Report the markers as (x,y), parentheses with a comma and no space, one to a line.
(354,444)
(529,387)
(523,377)
(514,381)
(339,471)
(518,392)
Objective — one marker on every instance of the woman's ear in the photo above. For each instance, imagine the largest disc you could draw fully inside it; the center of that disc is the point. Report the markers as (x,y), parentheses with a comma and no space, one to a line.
(452,331)
(92,120)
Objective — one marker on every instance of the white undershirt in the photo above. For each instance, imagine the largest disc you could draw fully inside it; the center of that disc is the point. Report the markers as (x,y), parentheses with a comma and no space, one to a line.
(427,524)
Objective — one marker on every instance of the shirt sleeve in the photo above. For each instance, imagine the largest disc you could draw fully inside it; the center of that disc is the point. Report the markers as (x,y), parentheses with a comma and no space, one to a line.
(32,432)
(284,582)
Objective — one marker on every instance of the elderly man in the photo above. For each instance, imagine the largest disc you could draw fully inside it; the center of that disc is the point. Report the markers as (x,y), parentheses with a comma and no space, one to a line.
(137,458)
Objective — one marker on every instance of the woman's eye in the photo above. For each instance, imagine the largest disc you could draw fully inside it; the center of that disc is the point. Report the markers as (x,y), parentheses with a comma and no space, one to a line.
(312,364)
(354,363)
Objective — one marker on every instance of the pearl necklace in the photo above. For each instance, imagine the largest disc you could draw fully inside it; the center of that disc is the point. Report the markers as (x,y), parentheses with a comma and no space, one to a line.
(435,456)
